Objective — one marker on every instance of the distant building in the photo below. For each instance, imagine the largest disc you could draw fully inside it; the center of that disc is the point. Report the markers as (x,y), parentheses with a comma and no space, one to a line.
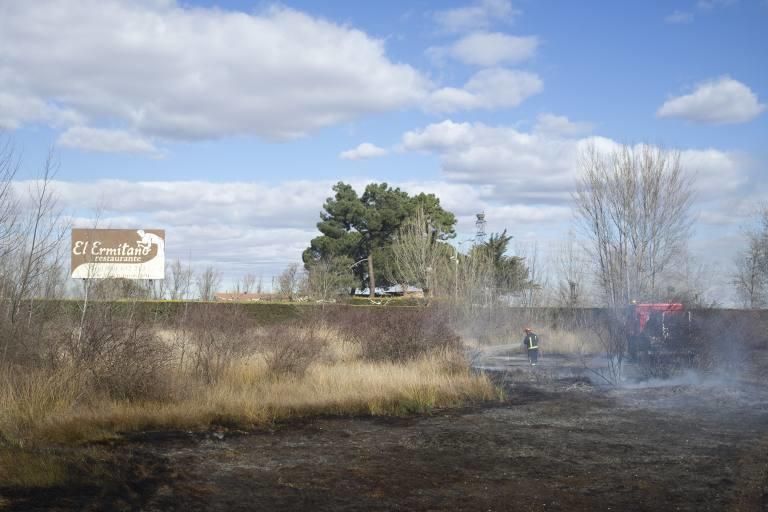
(244,297)
(393,291)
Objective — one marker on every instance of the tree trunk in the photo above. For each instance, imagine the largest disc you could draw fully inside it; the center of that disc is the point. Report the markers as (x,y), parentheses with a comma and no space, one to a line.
(371,279)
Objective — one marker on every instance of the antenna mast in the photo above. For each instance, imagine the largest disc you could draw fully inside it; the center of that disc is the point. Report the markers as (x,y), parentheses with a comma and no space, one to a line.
(480,228)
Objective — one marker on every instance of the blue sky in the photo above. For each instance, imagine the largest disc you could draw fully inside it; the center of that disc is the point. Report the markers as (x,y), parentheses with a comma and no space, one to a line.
(200,117)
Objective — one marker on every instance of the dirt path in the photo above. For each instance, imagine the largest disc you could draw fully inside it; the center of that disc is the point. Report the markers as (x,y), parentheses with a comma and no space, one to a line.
(561,446)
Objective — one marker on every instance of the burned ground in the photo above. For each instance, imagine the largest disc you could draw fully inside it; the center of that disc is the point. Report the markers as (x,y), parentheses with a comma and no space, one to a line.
(555,443)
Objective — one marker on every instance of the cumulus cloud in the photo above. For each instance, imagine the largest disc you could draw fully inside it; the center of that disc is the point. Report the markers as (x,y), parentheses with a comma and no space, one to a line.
(477,16)
(487,89)
(541,166)
(440,136)
(284,205)
(720,101)
(560,125)
(717,173)
(362,151)
(105,141)
(19,108)
(489,49)
(521,166)
(162,69)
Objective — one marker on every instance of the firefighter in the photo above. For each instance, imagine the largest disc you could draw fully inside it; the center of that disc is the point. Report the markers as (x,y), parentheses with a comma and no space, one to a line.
(531,344)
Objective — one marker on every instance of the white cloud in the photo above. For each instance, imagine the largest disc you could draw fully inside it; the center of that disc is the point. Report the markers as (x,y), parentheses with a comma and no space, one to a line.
(19,108)
(560,125)
(720,101)
(284,205)
(524,180)
(541,166)
(487,89)
(439,136)
(489,49)
(480,15)
(162,69)
(678,17)
(105,141)
(716,173)
(466,200)
(364,150)
(519,165)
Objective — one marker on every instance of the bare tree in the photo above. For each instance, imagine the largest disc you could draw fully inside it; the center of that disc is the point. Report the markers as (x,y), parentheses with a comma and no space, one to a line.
(329,277)
(207,283)
(31,234)
(40,233)
(181,278)
(157,289)
(9,205)
(634,205)
(475,282)
(288,281)
(531,294)
(260,284)
(419,257)
(248,283)
(751,277)
(570,267)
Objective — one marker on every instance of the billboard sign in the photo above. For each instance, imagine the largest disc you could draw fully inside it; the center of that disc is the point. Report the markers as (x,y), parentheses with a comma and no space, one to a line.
(118,253)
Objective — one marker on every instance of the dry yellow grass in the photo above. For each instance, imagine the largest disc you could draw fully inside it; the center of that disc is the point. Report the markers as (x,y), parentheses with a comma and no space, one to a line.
(29,396)
(569,342)
(201,378)
(41,410)
(38,408)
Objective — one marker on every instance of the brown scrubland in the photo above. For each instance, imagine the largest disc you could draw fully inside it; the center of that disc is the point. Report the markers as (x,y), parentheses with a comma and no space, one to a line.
(112,373)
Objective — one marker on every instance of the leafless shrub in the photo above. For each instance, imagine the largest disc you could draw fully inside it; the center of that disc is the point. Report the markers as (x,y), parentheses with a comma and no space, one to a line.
(389,335)
(291,349)
(121,356)
(612,336)
(218,335)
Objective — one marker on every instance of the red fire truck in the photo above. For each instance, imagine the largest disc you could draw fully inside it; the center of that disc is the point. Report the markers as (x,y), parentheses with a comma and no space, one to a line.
(658,332)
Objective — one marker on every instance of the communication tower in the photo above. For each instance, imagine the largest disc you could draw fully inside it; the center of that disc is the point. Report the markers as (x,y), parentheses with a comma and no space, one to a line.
(480,228)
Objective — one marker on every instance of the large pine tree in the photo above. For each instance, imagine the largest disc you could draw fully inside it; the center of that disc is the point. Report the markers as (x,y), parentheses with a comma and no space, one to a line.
(363,227)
